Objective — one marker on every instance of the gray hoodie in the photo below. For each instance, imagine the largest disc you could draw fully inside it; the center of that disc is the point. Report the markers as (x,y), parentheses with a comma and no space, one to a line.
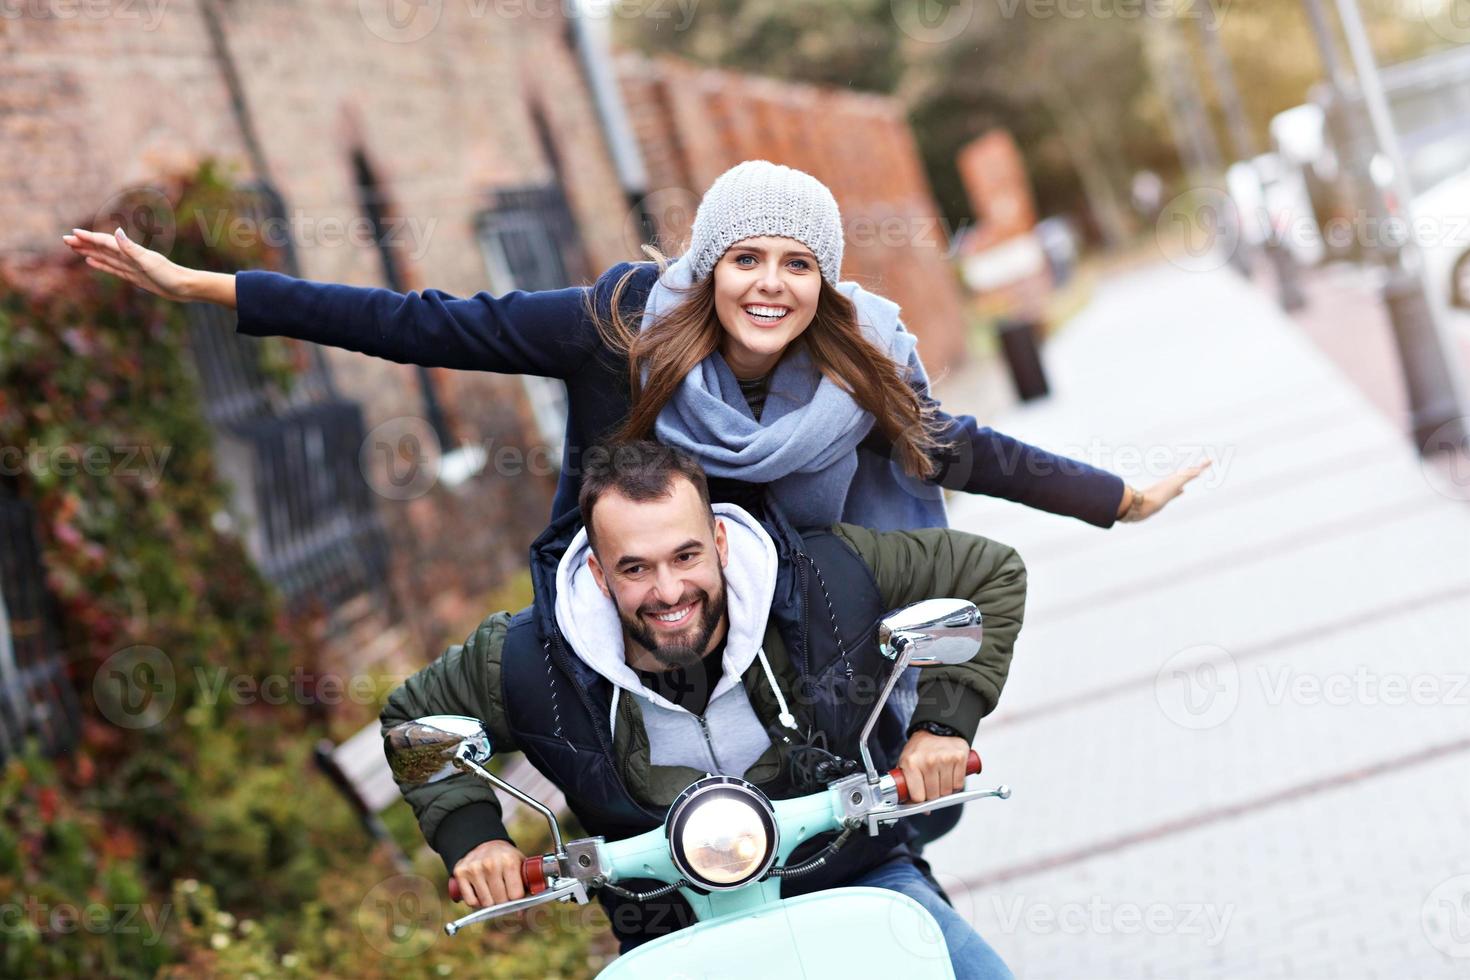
(729,738)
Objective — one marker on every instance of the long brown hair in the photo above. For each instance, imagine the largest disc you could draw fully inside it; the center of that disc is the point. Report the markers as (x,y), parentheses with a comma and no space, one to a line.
(679,339)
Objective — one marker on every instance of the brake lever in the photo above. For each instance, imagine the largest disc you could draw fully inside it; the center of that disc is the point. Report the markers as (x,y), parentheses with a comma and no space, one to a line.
(884,815)
(565,890)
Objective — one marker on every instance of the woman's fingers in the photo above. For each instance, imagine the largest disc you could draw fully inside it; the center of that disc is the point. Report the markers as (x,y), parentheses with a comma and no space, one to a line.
(95,240)
(107,264)
(122,257)
(127,274)
(1184,477)
(134,253)
(103,247)
(168,278)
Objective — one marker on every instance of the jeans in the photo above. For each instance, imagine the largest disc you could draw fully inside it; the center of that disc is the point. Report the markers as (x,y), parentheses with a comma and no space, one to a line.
(969,955)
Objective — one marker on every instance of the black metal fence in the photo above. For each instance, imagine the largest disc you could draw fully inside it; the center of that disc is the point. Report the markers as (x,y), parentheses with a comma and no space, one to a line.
(36,698)
(320,534)
(235,386)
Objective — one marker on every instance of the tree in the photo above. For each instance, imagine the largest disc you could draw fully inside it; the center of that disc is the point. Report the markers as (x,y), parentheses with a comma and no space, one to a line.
(1076,91)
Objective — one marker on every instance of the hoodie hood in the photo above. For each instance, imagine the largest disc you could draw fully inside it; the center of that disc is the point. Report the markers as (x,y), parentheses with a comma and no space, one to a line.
(589,621)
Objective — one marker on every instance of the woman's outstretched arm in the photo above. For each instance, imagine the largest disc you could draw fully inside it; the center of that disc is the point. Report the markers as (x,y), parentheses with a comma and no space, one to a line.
(978,459)
(543,332)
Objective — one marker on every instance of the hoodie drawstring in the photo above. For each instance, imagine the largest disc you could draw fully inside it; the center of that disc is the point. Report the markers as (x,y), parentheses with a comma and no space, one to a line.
(612,713)
(787,718)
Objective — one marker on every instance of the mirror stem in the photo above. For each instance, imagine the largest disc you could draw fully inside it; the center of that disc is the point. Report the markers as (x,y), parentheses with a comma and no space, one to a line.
(537,805)
(899,666)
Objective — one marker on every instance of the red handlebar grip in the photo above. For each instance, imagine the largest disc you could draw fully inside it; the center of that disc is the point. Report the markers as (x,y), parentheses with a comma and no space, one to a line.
(532,876)
(972,766)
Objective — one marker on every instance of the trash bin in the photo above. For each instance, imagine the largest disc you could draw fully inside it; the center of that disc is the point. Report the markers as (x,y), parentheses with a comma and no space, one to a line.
(1020,342)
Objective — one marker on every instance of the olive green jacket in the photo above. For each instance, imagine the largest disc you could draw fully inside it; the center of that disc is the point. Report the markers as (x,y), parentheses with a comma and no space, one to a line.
(457,814)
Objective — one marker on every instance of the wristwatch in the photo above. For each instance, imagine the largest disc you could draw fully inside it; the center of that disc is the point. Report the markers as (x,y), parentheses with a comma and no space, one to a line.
(935,728)
(1135,506)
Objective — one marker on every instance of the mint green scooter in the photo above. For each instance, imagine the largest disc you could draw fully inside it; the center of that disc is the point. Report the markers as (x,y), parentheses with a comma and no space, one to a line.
(724,836)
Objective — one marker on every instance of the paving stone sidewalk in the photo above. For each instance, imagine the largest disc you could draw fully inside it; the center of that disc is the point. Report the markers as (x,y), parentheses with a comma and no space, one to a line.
(1238,735)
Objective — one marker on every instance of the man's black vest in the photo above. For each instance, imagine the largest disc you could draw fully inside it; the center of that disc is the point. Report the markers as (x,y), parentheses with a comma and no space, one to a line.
(557,706)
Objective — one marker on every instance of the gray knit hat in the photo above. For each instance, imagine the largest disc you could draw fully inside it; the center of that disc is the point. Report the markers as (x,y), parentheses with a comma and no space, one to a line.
(757,198)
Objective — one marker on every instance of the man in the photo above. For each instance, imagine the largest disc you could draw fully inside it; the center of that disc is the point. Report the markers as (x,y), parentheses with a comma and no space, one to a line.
(670,639)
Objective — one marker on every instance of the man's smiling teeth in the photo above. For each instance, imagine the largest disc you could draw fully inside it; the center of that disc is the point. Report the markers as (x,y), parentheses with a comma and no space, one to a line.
(772,313)
(672,617)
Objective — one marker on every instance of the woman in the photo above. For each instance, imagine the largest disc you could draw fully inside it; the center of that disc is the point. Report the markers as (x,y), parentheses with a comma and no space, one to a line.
(749,352)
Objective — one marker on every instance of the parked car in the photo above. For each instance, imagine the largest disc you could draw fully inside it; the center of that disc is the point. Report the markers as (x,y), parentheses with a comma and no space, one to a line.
(1429,99)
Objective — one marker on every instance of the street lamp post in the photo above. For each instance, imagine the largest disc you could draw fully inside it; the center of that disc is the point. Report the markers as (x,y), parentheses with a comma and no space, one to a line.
(1427,355)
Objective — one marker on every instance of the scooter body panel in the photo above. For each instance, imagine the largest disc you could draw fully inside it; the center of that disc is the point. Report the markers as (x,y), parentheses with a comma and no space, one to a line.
(837,932)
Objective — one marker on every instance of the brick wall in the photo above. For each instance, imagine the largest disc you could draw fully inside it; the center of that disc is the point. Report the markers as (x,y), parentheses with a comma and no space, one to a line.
(93,104)
(694,123)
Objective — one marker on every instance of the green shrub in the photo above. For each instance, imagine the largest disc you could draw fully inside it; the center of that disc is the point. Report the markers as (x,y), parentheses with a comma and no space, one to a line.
(204,844)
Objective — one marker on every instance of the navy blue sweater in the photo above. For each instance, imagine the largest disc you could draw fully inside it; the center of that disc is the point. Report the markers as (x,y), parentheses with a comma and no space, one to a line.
(548,333)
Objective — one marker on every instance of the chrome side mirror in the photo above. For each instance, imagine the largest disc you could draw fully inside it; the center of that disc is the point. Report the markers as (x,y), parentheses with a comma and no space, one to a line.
(932,632)
(929,633)
(436,747)
(429,749)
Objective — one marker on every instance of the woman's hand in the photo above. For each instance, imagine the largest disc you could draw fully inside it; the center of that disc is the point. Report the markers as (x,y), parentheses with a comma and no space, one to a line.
(150,270)
(1138,505)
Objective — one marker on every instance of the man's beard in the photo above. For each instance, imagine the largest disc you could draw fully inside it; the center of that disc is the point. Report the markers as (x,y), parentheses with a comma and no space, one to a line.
(677,651)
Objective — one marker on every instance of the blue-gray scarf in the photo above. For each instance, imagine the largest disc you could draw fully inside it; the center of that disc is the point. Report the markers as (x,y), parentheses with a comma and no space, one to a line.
(804,448)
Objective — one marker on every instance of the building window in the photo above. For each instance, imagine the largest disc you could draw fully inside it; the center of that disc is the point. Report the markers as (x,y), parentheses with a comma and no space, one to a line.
(309,518)
(528,240)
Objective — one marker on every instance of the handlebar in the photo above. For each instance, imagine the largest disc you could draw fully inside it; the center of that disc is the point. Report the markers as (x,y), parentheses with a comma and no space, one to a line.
(972,766)
(533,876)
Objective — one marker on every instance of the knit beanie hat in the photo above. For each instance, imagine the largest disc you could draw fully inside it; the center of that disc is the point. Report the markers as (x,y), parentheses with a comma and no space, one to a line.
(757,198)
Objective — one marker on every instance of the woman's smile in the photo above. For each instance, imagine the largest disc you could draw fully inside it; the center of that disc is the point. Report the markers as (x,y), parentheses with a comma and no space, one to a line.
(766,315)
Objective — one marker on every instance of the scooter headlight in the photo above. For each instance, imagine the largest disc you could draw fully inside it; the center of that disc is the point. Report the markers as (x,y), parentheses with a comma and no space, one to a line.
(722,833)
